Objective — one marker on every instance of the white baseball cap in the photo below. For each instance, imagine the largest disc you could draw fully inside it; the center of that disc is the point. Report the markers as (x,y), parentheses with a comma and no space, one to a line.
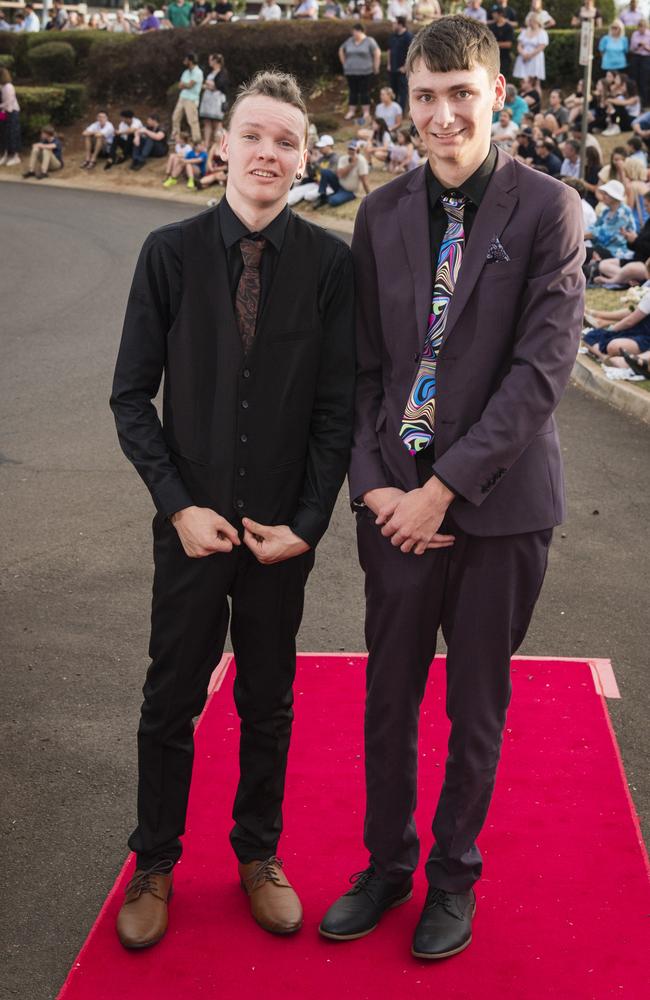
(614,189)
(325,140)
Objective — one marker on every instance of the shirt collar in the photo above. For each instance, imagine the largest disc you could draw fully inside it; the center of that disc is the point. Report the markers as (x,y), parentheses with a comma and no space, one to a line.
(233,229)
(473,188)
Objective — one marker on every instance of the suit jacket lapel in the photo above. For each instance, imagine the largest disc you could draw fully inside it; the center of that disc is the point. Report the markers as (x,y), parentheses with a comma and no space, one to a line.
(492,217)
(413,214)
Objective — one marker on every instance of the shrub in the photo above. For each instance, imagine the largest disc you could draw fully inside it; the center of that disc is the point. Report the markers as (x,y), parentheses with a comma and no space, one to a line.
(74,103)
(10,42)
(53,61)
(61,105)
(38,107)
(146,68)
(7,62)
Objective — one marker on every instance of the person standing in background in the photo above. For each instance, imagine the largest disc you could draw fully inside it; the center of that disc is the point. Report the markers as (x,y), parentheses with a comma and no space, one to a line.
(398,46)
(187,105)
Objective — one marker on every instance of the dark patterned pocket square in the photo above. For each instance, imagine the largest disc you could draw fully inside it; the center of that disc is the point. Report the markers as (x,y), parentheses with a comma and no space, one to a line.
(496,251)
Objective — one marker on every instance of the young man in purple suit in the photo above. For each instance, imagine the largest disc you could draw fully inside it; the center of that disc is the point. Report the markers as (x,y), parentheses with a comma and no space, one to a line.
(470,297)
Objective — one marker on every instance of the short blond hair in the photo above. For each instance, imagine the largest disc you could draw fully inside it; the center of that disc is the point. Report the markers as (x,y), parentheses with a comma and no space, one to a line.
(271,83)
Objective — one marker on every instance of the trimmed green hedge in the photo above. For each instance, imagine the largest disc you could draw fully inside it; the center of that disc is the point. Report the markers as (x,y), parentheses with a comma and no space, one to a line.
(54,61)
(60,104)
(152,62)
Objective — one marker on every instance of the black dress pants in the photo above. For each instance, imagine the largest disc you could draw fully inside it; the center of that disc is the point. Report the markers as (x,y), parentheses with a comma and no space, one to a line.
(482,592)
(189,624)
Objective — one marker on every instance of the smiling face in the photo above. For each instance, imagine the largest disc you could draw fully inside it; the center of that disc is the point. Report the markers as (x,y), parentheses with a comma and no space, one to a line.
(265,149)
(453,114)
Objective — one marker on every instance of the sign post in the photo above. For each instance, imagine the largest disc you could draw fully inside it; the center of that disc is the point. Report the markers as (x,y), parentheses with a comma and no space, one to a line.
(586,59)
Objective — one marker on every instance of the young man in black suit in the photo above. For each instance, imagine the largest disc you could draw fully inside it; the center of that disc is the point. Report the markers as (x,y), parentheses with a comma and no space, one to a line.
(247,310)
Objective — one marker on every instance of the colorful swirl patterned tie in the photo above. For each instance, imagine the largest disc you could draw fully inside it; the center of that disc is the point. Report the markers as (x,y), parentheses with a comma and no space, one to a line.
(417,428)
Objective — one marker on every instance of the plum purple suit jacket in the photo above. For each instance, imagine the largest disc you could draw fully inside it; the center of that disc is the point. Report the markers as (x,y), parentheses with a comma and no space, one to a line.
(509,346)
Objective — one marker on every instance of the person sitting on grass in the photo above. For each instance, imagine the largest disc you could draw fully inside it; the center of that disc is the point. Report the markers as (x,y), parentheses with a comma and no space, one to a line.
(98,140)
(216,169)
(608,233)
(504,130)
(379,142)
(624,271)
(46,155)
(401,153)
(122,148)
(352,170)
(182,147)
(389,109)
(148,141)
(192,164)
(630,334)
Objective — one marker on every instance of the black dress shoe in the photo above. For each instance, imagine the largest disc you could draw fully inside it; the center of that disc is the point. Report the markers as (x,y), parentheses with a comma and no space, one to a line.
(358,912)
(445,927)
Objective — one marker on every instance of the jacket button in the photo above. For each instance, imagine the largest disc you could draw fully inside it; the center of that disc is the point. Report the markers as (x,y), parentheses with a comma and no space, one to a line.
(239,504)
(243,438)
(244,404)
(246,373)
(242,472)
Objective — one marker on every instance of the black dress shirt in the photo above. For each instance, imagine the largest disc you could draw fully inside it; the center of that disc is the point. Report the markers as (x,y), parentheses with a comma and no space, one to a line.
(233,230)
(473,189)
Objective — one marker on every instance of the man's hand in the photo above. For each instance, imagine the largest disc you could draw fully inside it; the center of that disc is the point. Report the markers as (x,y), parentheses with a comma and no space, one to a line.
(203,532)
(414,524)
(272,543)
(383,502)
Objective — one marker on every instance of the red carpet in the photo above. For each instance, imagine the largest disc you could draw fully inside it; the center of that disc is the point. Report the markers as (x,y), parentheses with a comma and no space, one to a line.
(561,907)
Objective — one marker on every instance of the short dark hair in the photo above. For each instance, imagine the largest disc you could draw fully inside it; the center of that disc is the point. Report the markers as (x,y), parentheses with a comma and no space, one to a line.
(635,142)
(154,116)
(358,26)
(271,83)
(127,113)
(192,57)
(576,184)
(452,43)
(401,20)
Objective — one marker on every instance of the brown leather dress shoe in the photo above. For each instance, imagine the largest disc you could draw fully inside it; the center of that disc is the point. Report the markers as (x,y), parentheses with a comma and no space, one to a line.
(142,920)
(274,904)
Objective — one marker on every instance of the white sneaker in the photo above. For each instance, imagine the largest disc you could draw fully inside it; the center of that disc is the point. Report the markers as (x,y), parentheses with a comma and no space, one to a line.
(13,161)
(3,160)
(612,130)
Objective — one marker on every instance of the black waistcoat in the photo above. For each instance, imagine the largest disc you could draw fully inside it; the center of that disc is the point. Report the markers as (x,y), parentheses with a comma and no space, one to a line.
(238,425)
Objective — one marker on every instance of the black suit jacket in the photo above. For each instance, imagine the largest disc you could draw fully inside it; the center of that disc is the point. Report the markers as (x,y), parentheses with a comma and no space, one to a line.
(266,434)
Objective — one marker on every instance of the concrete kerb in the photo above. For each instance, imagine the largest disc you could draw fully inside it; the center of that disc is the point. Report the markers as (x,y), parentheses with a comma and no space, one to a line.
(321,218)
(624,396)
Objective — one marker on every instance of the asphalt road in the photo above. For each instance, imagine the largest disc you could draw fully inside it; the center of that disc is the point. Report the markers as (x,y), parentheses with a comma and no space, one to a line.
(75,570)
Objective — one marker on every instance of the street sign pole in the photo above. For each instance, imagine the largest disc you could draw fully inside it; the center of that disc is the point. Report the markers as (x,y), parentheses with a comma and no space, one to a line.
(586,59)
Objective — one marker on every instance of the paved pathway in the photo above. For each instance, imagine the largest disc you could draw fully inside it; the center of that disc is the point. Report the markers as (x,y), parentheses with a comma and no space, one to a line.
(75,573)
